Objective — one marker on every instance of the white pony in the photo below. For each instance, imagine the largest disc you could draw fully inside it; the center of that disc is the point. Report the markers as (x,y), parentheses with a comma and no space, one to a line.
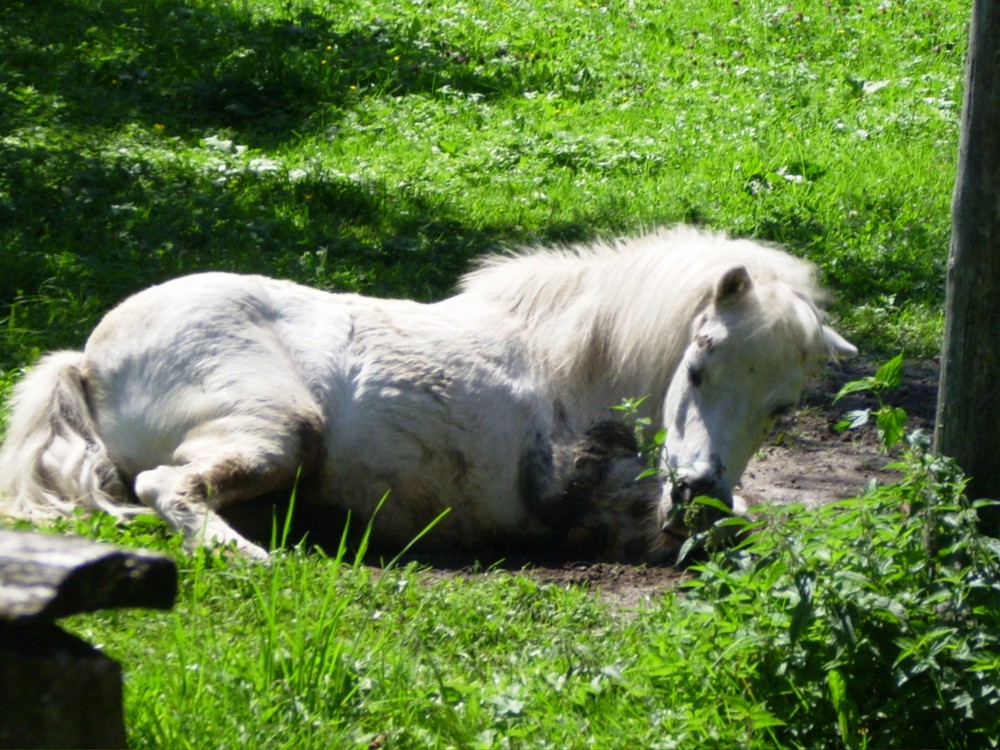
(199,395)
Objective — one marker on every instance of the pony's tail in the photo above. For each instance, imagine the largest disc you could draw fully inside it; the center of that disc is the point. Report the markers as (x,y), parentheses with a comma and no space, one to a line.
(52,459)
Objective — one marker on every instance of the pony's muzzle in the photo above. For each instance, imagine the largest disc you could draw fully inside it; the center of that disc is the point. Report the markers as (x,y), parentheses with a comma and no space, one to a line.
(679,517)
(683,491)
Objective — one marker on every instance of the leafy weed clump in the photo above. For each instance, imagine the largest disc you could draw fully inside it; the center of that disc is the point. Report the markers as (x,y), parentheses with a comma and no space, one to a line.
(873,622)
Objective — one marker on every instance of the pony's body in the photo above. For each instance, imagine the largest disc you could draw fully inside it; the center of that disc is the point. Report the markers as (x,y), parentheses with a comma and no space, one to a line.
(366,395)
(213,389)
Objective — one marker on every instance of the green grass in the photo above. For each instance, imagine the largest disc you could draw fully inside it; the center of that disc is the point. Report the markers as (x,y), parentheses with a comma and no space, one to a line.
(379,147)
(870,622)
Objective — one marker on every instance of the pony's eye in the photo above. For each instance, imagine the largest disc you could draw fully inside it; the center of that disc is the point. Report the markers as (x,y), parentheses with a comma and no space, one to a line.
(696,375)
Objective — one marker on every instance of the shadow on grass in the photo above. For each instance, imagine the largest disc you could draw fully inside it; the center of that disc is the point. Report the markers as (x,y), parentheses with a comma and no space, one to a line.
(192,68)
(83,230)
(84,222)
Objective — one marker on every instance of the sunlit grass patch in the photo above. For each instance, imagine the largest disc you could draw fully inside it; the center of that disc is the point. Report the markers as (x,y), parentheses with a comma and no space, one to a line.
(379,147)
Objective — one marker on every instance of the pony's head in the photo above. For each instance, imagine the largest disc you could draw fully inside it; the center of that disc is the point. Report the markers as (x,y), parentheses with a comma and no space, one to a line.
(719,333)
(750,350)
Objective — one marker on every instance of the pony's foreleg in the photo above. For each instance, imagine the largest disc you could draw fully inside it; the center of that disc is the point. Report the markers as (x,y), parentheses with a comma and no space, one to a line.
(228,462)
(179,496)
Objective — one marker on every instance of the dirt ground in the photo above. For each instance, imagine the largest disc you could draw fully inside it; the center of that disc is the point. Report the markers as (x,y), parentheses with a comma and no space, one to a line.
(806,461)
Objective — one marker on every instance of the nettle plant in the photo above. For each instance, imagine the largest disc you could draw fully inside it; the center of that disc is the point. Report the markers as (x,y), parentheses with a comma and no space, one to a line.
(890,421)
(873,621)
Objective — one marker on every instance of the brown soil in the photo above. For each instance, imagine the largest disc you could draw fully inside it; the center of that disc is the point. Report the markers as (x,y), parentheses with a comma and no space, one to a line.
(809,461)
(806,461)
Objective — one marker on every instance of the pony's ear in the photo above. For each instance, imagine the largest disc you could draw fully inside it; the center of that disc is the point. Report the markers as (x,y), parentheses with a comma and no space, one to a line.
(838,345)
(734,284)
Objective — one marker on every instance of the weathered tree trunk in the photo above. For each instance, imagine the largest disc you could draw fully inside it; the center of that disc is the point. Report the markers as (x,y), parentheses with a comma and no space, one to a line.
(968,417)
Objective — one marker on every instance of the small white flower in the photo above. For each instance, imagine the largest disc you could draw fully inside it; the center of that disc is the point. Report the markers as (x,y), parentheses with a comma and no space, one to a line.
(870,87)
(216,143)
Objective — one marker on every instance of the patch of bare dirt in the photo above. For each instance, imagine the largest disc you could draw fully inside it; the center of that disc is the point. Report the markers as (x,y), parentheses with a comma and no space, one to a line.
(809,461)
(627,587)
(806,461)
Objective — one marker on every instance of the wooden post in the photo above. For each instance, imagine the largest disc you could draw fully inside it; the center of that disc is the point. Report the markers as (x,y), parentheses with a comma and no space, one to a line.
(56,690)
(968,417)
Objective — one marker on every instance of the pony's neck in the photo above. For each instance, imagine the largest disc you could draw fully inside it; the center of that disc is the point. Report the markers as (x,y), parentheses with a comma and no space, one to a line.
(609,321)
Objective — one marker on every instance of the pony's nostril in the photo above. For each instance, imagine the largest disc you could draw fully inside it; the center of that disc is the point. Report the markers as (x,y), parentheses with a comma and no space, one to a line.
(685,491)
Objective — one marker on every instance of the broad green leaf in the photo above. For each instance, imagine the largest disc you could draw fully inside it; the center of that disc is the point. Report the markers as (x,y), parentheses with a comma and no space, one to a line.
(847,712)
(891,423)
(689,544)
(856,386)
(890,375)
(854,419)
(712,502)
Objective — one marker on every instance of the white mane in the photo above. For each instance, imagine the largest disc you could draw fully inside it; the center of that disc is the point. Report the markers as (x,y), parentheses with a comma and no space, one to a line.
(625,307)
